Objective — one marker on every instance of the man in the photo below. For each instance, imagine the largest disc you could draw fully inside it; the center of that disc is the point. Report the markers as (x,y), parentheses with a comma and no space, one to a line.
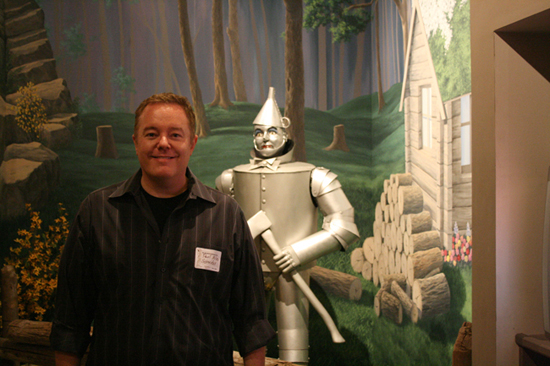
(280,198)
(163,266)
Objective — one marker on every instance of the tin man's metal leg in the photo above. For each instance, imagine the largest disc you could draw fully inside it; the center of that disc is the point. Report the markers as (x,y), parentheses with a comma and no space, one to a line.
(292,320)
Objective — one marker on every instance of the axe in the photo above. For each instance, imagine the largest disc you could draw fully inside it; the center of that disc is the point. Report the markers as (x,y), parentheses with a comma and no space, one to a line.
(260,225)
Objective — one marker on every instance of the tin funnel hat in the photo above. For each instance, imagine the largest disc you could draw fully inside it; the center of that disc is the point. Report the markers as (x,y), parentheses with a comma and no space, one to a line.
(270,115)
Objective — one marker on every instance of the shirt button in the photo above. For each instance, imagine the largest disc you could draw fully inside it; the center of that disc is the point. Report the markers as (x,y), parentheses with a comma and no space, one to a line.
(163,269)
(264,201)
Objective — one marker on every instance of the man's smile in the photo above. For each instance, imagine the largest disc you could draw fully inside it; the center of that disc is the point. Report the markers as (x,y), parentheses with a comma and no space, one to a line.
(162,157)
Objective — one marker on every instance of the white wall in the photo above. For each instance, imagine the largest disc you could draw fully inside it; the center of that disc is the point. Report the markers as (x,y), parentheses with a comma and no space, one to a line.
(510,158)
(522,132)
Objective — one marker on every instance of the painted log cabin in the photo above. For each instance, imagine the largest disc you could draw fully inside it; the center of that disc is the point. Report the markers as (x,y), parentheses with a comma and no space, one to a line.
(437,137)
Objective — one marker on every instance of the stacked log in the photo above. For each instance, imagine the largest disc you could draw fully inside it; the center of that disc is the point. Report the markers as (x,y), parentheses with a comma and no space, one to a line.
(337,283)
(405,245)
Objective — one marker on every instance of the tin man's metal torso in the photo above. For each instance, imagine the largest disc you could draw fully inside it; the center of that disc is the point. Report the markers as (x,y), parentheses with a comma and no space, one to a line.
(289,192)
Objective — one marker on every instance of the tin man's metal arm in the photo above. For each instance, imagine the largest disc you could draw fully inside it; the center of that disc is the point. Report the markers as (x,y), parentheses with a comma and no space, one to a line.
(224,182)
(259,225)
(338,230)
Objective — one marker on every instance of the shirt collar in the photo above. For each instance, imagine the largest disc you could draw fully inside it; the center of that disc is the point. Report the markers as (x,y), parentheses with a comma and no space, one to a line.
(133,184)
(271,163)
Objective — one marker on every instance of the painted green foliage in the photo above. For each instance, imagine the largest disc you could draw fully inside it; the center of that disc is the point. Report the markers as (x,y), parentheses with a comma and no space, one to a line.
(452,66)
(74,43)
(124,84)
(344,22)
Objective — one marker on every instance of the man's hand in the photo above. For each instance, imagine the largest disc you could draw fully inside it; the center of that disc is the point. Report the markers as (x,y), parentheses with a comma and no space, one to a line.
(287,260)
(255,358)
(66,359)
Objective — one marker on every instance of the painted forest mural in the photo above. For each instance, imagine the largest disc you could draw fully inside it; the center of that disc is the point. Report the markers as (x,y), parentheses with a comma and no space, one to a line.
(378,92)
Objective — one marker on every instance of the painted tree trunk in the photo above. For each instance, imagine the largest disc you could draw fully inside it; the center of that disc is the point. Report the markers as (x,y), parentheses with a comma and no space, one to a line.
(294,76)
(171,80)
(322,93)
(341,54)
(105,55)
(121,33)
(381,101)
(358,72)
(202,128)
(267,49)
(234,43)
(257,47)
(403,9)
(221,97)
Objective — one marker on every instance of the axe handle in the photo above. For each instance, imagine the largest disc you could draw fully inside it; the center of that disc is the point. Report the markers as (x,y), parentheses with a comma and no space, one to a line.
(270,240)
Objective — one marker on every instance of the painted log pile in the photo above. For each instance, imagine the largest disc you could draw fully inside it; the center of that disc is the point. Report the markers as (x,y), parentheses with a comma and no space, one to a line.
(403,256)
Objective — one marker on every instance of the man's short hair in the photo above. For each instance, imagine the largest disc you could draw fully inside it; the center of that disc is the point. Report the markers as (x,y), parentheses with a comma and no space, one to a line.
(167,98)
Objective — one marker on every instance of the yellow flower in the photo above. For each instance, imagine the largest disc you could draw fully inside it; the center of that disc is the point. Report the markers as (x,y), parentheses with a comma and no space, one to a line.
(36,260)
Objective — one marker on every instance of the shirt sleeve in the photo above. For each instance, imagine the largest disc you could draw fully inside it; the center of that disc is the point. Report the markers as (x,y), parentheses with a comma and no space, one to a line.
(247,305)
(76,293)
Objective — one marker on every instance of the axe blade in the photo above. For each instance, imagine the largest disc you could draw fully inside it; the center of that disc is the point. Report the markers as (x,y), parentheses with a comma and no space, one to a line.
(258,223)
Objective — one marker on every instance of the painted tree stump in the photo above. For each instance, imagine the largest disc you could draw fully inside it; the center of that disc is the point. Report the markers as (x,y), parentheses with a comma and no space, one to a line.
(338,140)
(106,147)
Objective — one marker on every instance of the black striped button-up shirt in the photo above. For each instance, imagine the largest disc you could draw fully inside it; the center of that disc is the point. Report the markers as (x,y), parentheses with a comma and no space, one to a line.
(170,298)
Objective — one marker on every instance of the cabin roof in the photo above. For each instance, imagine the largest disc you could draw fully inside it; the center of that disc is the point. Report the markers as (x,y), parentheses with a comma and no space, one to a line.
(417,15)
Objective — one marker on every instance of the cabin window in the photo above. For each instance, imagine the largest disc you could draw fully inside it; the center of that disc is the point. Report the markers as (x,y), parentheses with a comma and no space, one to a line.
(465,133)
(426,117)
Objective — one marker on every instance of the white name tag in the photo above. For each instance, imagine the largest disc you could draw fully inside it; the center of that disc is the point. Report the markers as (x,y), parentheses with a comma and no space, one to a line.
(208,259)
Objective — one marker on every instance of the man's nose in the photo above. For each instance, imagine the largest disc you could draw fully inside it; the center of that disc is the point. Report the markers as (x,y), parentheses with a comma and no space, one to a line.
(163,142)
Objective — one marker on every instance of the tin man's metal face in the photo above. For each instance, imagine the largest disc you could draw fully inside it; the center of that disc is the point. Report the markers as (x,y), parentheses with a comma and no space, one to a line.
(269,141)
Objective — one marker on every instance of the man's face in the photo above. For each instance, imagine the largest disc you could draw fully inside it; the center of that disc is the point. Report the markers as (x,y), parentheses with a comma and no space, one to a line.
(164,143)
(269,141)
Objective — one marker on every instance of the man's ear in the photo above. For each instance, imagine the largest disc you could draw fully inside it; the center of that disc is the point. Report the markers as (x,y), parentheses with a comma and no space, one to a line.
(194,142)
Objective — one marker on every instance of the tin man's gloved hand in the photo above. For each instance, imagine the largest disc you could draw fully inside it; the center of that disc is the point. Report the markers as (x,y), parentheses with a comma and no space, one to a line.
(287,260)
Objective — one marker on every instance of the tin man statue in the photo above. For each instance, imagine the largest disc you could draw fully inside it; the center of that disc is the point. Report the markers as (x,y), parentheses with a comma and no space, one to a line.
(280,198)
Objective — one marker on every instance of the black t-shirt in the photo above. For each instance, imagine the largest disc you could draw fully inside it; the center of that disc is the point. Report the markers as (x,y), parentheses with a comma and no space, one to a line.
(163,207)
